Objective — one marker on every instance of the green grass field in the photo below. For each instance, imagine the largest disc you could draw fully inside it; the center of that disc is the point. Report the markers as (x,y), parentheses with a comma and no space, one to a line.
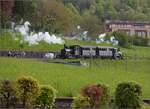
(68,79)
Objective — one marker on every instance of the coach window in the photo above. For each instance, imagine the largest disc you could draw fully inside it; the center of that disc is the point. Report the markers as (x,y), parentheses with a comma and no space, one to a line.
(110,49)
(86,48)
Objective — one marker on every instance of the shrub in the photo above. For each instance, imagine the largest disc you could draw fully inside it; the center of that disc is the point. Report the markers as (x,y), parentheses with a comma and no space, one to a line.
(81,102)
(124,40)
(27,89)
(7,91)
(46,96)
(140,41)
(95,95)
(127,95)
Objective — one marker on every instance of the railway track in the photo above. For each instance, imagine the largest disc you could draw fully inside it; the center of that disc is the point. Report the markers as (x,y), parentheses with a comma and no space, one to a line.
(28,54)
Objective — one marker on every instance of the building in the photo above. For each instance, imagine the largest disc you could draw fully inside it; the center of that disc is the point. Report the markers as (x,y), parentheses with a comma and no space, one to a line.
(131,28)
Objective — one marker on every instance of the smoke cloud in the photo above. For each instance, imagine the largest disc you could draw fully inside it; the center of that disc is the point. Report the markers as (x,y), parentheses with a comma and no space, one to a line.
(102,38)
(34,38)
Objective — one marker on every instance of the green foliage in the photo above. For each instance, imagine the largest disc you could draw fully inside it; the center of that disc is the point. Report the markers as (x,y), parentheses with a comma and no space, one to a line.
(7,91)
(27,89)
(46,96)
(61,16)
(141,41)
(123,39)
(54,17)
(9,40)
(90,23)
(24,9)
(80,102)
(128,95)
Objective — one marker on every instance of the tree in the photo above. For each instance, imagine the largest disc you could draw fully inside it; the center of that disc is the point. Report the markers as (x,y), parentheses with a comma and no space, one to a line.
(124,40)
(76,17)
(6,7)
(24,9)
(100,9)
(27,89)
(90,23)
(54,17)
(7,91)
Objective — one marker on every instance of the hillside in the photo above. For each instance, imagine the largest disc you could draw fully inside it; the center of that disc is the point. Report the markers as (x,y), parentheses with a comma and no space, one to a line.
(63,16)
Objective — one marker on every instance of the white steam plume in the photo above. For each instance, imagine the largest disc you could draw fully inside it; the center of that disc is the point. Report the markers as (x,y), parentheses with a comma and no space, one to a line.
(35,38)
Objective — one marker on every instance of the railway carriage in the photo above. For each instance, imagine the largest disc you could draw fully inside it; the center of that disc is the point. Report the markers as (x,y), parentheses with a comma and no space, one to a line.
(76,51)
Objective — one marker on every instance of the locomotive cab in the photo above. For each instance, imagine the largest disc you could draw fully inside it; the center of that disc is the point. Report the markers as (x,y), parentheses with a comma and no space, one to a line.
(73,51)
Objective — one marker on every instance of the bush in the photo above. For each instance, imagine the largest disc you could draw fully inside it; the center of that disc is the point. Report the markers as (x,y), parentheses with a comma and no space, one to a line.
(128,95)
(27,89)
(7,91)
(140,41)
(95,95)
(124,40)
(81,102)
(46,96)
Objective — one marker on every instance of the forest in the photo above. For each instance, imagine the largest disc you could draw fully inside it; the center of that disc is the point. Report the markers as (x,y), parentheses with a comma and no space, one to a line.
(63,16)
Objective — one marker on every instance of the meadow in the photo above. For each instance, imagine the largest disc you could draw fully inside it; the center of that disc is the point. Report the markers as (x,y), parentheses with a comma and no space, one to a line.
(69,79)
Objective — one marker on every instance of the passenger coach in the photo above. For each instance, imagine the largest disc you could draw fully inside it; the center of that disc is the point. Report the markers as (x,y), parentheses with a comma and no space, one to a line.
(76,51)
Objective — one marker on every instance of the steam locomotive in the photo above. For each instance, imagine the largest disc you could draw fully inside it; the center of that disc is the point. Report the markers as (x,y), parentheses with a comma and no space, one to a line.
(76,51)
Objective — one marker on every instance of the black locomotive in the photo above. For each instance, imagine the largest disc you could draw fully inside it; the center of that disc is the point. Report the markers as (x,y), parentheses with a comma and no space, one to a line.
(76,51)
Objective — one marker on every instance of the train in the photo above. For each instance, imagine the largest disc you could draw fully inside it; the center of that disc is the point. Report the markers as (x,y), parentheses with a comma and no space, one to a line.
(69,52)
(77,51)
